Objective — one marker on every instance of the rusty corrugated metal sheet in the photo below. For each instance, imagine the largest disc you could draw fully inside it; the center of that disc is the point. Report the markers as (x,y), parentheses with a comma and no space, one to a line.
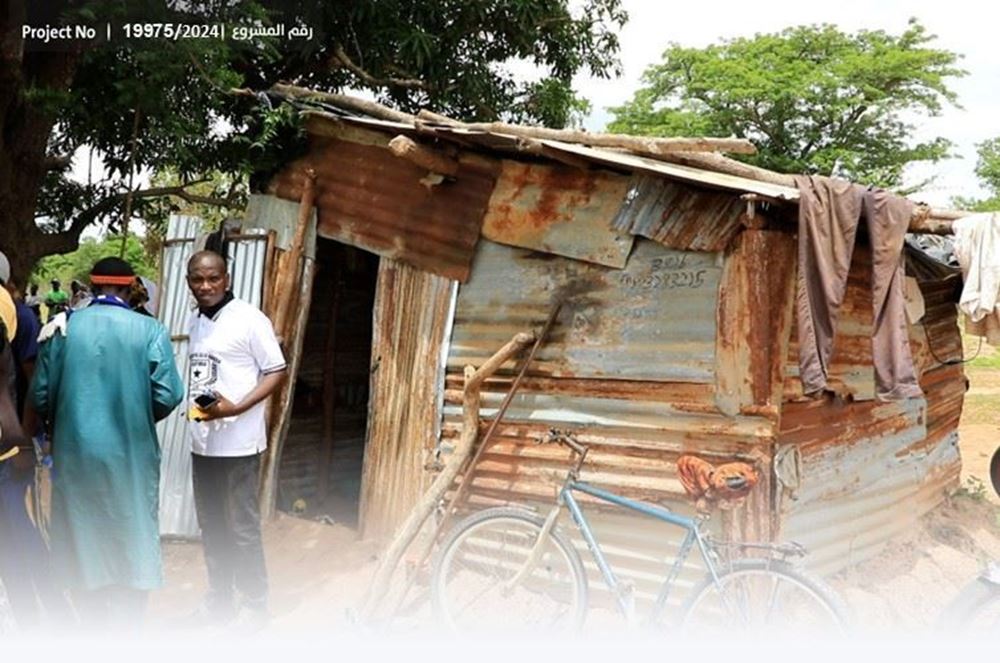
(630,363)
(653,320)
(870,469)
(575,153)
(679,216)
(851,363)
(558,209)
(411,311)
(754,321)
(865,476)
(370,199)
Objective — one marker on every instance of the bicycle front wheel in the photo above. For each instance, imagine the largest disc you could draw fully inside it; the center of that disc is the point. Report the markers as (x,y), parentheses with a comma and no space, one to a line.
(762,595)
(482,581)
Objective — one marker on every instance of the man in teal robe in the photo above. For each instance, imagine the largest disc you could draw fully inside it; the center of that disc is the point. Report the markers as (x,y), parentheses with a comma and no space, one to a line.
(104,376)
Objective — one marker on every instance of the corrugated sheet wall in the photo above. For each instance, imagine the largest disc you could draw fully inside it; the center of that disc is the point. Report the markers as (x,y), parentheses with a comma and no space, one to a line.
(560,210)
(869,469)
(629,365)
(177,516)
(679,216)
(653,320)
(412,316)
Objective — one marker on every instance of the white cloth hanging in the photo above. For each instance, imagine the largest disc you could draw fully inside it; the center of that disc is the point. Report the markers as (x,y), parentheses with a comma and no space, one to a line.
(977,247)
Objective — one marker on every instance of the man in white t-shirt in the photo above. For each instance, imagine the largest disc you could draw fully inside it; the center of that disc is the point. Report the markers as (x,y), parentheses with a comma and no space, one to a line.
(235,364)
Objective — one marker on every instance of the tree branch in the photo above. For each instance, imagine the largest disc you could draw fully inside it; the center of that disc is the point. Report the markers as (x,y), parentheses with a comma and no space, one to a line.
(342,60)
(91,214)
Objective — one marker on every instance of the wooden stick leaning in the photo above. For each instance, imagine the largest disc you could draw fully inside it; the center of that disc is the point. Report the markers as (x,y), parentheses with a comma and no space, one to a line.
(471,401)
(427,546)
(290,269)
(463,488)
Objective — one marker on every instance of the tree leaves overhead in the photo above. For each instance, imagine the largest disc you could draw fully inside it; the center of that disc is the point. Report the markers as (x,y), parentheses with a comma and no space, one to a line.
(811,98)
(988,172)
(161,104)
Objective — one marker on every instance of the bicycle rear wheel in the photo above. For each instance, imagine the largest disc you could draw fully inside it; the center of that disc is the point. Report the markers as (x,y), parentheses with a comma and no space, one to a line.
(761,594)
(471,585)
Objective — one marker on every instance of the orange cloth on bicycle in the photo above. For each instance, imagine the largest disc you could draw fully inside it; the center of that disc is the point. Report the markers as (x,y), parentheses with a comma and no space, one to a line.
(702,479)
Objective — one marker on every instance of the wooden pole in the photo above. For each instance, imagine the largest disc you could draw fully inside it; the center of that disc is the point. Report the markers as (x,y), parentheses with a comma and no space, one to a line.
(425,506)
(640,144)
(423,156)
(926,220)
(463,488)
(289,270)
(344,101)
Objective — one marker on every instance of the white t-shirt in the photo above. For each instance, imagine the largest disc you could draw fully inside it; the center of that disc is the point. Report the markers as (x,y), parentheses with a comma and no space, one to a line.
(229,354)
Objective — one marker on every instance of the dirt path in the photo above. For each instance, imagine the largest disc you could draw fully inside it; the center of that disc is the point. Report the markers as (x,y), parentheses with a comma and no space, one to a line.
(319,571)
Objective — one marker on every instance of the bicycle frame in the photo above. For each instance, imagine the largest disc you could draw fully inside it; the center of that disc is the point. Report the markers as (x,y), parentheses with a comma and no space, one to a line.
(622,593)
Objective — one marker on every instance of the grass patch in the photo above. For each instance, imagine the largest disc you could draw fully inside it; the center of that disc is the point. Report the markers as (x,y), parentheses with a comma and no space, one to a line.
(989,361)
(981,409)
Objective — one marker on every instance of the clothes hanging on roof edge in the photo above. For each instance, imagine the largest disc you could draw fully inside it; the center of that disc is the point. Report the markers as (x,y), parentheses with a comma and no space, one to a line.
(829,213)
(977,247)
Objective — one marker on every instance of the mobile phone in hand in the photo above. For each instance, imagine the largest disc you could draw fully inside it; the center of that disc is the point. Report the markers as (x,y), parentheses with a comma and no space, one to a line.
(205,401)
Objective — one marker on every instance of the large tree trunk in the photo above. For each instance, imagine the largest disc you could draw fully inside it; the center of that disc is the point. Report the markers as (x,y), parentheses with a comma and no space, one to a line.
(24,136)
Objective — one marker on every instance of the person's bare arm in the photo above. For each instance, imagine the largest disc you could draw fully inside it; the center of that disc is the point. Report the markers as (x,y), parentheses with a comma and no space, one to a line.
(226,408)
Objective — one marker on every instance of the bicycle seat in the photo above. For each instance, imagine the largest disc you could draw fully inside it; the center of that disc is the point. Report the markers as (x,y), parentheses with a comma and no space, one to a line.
(701,479)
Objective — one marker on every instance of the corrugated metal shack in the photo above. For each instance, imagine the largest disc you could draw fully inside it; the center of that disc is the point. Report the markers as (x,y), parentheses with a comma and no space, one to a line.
(677,336)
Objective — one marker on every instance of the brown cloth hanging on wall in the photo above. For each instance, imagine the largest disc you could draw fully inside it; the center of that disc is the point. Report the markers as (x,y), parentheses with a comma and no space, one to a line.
(829,212)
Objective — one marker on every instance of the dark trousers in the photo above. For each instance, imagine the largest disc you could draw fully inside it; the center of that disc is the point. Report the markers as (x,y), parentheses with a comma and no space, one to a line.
(24,557)
(225,496)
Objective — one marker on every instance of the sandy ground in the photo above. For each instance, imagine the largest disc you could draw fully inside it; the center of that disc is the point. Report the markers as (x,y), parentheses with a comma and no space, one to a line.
(319,571)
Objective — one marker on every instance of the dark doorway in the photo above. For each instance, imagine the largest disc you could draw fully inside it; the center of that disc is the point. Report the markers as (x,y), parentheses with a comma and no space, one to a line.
(321,463)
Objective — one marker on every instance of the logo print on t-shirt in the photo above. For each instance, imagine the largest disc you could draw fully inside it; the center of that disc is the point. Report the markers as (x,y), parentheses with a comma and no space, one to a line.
(204,371)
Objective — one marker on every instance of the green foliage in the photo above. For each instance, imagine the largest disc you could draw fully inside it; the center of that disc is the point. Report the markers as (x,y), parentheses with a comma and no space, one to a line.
(988,171)
(168,104)
(973,488)
(811,98)
(76,265)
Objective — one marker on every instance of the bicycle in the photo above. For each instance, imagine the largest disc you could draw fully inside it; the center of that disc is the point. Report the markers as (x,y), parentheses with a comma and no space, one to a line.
(512,563)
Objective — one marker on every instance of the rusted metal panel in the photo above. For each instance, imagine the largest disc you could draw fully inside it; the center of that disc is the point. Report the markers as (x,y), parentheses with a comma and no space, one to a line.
(936,338)
(559,209)
(754,322)
(627,459)
(370,199)
(679,216)
(870,469)
(411,316)
(866,475)
(571,152)
(654,320)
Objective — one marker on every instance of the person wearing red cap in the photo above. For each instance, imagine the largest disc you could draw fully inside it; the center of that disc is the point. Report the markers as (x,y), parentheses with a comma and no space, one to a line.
(104,377)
